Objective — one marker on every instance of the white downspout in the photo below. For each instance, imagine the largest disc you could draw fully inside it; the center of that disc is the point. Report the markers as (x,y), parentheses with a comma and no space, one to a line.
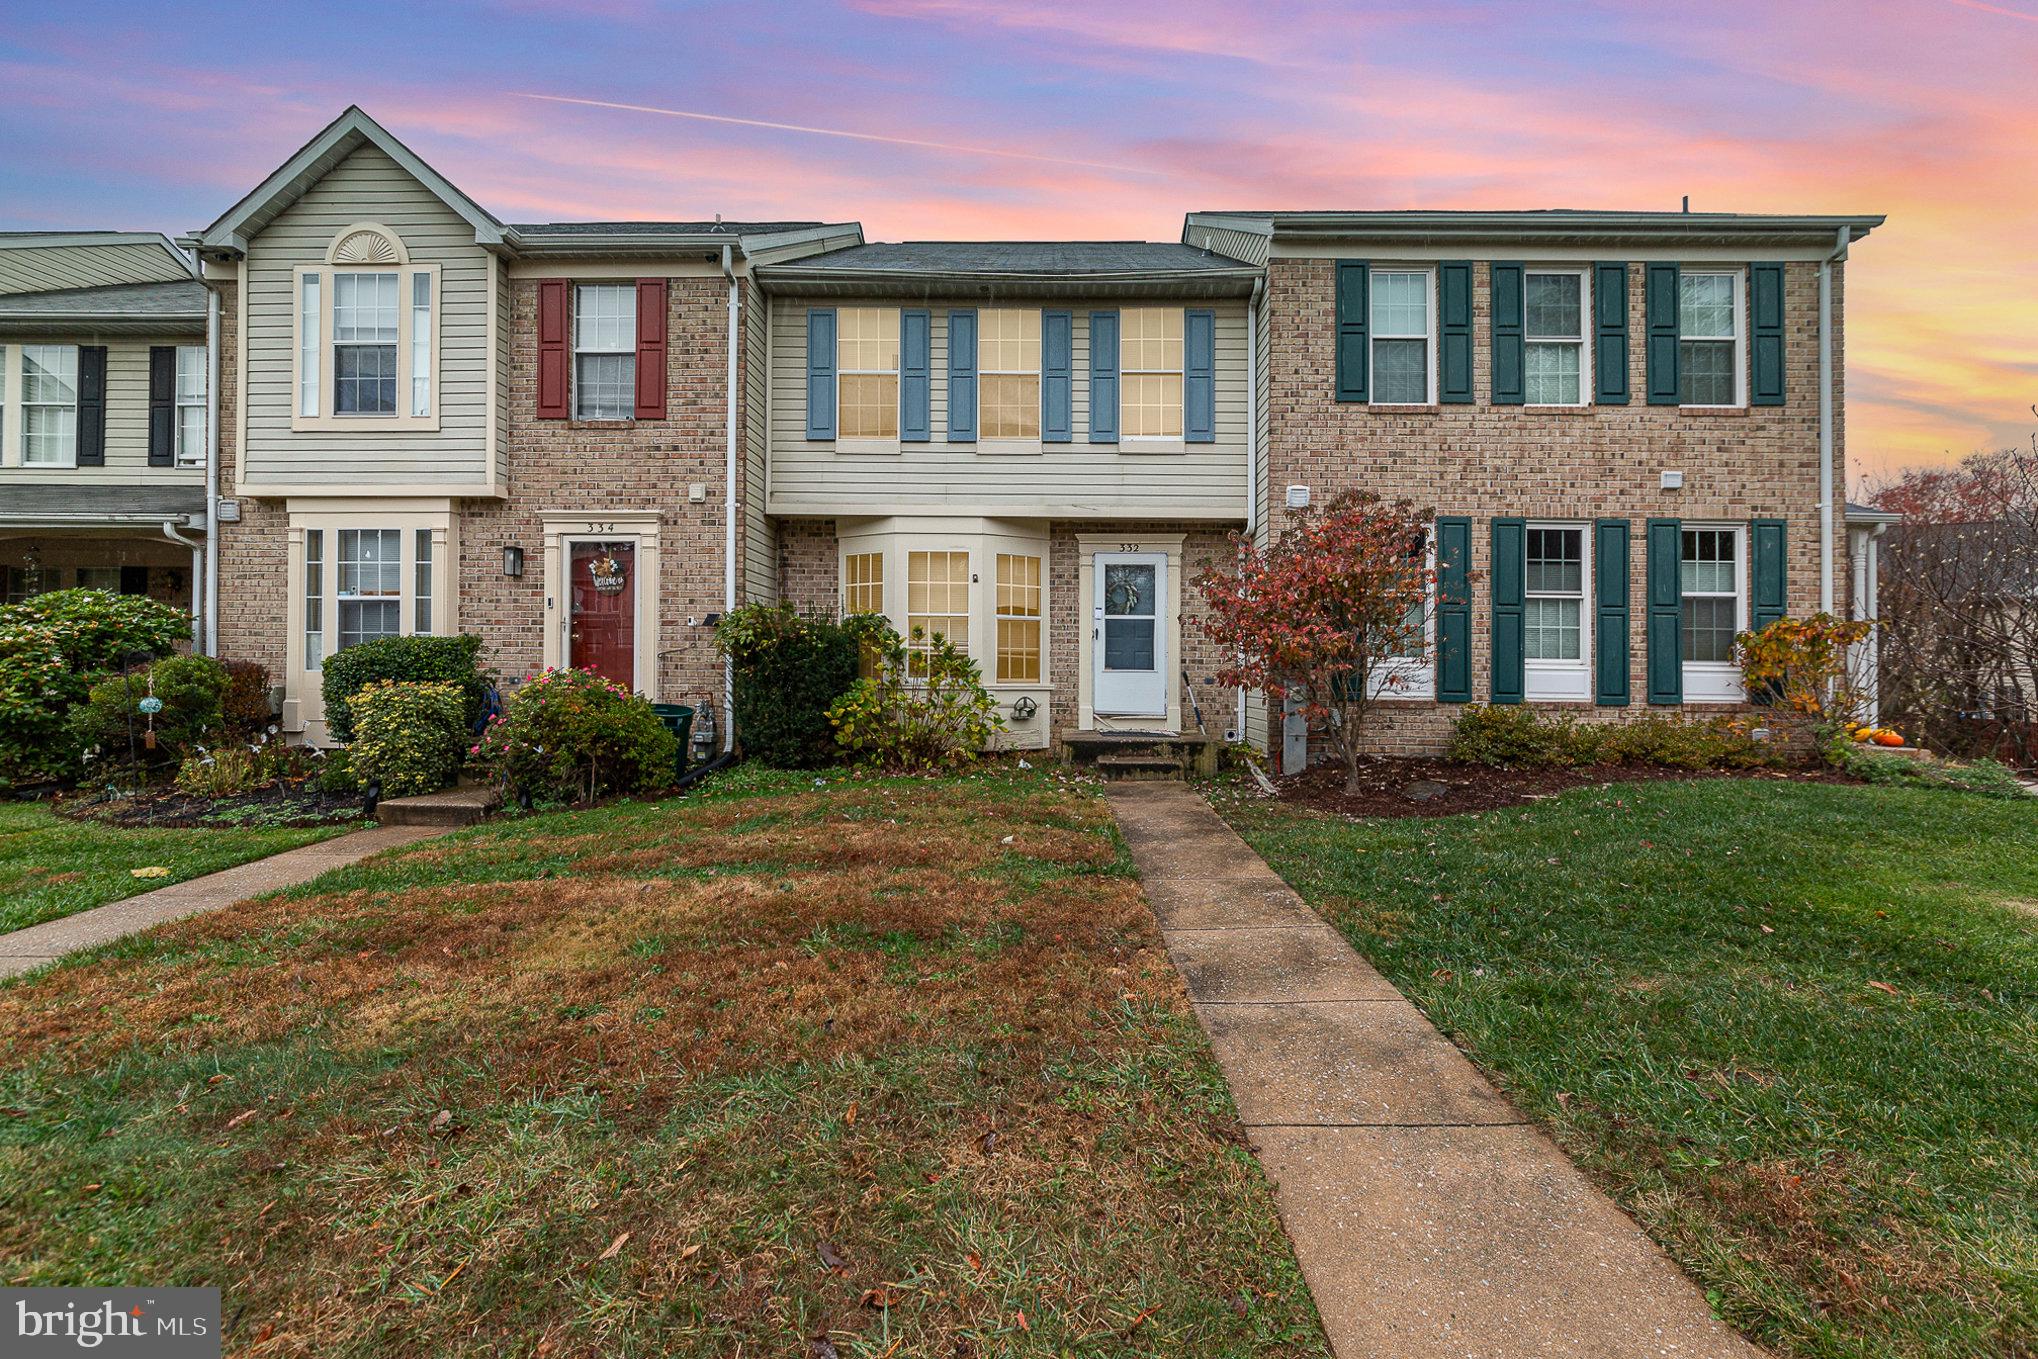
(729,499)
(171,532)
(211,624)
(1826,471)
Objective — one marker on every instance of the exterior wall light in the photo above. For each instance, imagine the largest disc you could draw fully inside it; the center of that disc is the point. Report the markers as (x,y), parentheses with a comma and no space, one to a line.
(512,561)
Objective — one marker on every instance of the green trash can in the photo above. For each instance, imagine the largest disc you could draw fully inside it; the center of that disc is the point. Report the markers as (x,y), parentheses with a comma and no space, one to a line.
(678,719)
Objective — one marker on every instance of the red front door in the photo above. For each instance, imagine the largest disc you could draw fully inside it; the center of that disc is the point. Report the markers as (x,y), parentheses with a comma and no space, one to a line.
(604,635)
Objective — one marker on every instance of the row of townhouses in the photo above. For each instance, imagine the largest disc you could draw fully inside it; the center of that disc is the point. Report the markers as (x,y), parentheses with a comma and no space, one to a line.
(359,404)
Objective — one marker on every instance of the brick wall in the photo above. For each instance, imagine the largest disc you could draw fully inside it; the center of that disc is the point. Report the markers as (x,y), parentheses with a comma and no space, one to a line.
(1606,461)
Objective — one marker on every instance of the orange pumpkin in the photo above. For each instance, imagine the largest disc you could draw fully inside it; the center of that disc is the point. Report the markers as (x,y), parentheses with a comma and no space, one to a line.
(1886,737)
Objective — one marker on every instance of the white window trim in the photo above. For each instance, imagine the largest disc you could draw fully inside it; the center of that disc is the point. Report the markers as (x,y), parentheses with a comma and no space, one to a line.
(319,350)
(993,551)
(23,405)
(1429,274)
(629,348)
(983,541)
(1406,677)
(1553,681)
(858,443)
(1587,379)
(1153,443)
(1018,443)
(180,404)
(1715,681)
(1740,309)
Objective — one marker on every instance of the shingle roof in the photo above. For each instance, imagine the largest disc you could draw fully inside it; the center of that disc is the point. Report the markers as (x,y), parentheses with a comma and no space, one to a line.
(84,500)
(181,299)
(1048,258)
(659,228)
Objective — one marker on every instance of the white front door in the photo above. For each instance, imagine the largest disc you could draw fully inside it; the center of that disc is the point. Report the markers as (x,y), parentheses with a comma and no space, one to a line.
(1129,646)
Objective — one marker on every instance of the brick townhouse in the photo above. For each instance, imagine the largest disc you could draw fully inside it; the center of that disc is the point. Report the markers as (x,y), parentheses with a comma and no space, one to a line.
(583,441)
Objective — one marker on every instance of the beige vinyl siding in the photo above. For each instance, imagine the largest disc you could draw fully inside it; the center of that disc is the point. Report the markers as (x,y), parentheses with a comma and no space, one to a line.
(1076,480)
(127,416)
(760,534)
(1247,247)
(368,187)
(54,268)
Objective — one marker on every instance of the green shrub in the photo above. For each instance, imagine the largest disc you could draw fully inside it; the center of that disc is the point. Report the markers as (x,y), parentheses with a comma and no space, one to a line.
(53,648)
(570,735)
(336,777)
(220,773)
(113,718)
(246,706)
(408,660)
(1515,736)
(1686,743)
(789,670)
(1985,778)
(1520,736)
(919,710)
(408,735)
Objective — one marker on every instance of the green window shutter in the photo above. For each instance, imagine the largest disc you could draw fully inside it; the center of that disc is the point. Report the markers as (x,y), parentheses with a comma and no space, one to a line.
(1610,334)
(1352,366)
(1768,600)
(1057,379)
(1661,289)
(962,376)
(1610,615)
(916,375)
(1666,611)
(821,373)
(1510,566)
(1765,349)
(1199,376)
(1509,300)
(1454,332)
(1454,610)
(1103,377)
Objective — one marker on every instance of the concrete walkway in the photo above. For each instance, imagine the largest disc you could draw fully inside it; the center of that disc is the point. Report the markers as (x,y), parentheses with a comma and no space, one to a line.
(39,944)
(1430,1219)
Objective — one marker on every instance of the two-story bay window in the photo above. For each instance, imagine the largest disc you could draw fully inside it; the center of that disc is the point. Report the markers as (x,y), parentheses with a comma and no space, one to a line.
(370,594)
(604,351)
(1714,608)
(1150,353)
(867,363)
(863,583)
(1553,351)
(1710,356)
(191,405)
(1019,619)
(1401,338)
(49,405)
(365,315)
(1008,365)
(365,349)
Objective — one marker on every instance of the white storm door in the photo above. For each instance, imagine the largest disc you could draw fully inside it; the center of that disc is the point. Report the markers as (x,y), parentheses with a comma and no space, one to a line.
(1130,647)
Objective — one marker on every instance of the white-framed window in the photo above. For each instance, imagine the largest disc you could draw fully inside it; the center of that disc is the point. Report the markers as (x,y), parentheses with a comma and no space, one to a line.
(1556,360)
(1402,306)
(1556,619)
(49,405)
(604,351)
(310,345)
(1008,368)
(937,602)
(863,583)
(867,372)
(314,599)
(1711,338)
(370,593)
(1020,618)
(421,584)
(105,578)
(365,320)
(191,405)
(366,344)
(1409,671)
(1714,606)
(1150,362)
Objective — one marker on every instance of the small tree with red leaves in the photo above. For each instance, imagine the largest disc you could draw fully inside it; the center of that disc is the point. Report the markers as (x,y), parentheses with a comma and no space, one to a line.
(1334,614)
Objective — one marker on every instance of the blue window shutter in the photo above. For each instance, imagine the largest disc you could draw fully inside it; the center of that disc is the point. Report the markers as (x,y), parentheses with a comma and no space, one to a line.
(1103,377)
(1769,597)
(1057,345)
(1666,611)
(916,384)
(821,373)
(1510,566)
(1352,359)
(962,377)
(1199,376)
(1765,350)
(1660,298)
(1454,609)
(1610,590)
(1454,332)
(1509,300)
(1610,337)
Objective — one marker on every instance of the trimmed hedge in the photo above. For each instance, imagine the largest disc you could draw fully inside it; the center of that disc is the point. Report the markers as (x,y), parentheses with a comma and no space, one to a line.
(790,669)
(406,660)
(1520,736)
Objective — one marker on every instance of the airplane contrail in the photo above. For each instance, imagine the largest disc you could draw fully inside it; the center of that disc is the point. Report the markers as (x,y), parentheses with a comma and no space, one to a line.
(833,132)
(1998,9)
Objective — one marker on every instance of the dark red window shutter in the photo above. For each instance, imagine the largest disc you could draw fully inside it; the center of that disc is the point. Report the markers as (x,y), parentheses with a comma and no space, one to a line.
(553,319)
(650,349)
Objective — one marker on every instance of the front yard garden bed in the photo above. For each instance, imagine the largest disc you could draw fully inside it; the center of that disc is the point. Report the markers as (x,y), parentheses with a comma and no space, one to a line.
(880,1068)
(1792,1027)
(293,804)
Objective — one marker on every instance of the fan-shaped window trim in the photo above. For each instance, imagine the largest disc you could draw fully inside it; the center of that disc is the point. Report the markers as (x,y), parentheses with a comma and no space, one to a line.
(356,245)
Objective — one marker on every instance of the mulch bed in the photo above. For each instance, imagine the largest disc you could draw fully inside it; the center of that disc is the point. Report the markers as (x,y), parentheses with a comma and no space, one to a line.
(1425,787)
(294,804)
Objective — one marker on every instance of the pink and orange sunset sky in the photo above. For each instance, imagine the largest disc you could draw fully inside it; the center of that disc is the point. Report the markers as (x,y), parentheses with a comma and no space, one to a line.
(944,119)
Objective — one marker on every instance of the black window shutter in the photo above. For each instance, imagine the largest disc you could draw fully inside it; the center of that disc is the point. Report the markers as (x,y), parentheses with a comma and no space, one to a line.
(1666,611)
(1352,359)
(1660,297)
(1509,299)
(91,405)
(1454,609)
(1610,590)
(162,405)
(1765,350)
(1454,334)
(1610,334)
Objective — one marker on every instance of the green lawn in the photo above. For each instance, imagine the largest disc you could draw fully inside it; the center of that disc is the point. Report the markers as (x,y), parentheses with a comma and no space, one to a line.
(898,1064)
(52,866)
(1793,1028)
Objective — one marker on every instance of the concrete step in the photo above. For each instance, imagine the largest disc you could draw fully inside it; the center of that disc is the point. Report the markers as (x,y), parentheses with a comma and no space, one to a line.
(1142,765)
(1192,751)
(453,807)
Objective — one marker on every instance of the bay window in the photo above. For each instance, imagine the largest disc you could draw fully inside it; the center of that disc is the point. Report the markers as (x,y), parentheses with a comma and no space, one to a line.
(867,366)
(1553,350)
(1401,337)
(604,351)
(937,603)
(1150,347)
(1710,338)
(1019,619)
(1008,366)
(863,583)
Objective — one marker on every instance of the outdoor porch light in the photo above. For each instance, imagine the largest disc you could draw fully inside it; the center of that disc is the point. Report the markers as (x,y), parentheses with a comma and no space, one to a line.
(512,560)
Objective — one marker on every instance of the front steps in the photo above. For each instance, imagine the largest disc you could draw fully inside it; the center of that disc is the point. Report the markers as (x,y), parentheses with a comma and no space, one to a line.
(1142,755)
(451,808)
